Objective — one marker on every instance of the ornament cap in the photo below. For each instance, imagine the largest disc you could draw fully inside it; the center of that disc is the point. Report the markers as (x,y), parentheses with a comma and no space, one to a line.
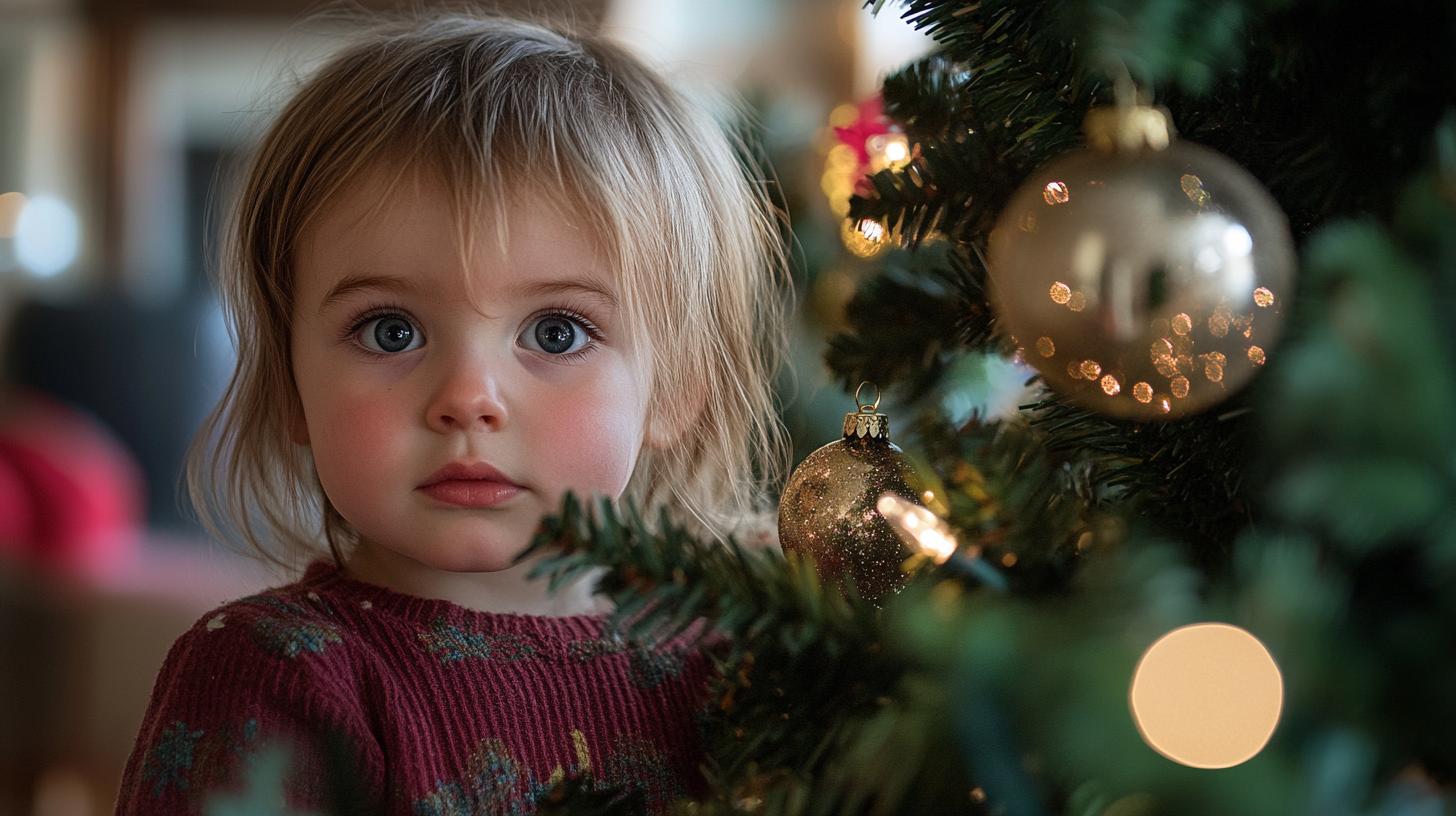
(867,422)
(1129,128)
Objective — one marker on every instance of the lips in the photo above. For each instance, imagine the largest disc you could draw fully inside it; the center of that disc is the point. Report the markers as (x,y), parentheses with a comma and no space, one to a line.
(470,484)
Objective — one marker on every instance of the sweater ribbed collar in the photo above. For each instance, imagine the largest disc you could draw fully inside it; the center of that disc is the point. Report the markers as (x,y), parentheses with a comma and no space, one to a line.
(324,577)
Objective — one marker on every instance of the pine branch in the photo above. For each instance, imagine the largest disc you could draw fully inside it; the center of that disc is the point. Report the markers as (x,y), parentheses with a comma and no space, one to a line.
(908,322)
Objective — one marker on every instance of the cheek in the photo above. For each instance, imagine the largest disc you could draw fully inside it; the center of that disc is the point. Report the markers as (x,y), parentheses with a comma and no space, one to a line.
(592,445)
(354,439)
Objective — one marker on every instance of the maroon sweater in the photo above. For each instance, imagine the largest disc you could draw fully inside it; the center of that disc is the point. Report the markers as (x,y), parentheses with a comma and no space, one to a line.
(422,706)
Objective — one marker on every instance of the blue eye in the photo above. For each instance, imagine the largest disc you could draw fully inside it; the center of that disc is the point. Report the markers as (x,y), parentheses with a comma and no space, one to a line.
(392,334)
(557,333)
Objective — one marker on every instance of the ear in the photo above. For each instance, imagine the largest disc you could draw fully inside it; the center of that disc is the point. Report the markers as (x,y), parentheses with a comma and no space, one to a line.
(665,429)
(297,425)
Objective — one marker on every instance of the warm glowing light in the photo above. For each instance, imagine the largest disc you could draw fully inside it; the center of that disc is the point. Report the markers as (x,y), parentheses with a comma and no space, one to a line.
(1142,392)
(1056,193)
(1074,370)
(897,150)
(1060,293)
(1179,387)
(1256,355)
(1263,298)
(1008,560)
(1045,347)
(918,527)
(1182,324)
(1214,372)
(1110,386)
(866,239)
(1207,695)
(1163,402)
(1091,369)
(1077,302)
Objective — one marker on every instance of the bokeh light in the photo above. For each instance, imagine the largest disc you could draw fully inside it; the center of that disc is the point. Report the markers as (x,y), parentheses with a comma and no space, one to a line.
(47,236)
(1207,695)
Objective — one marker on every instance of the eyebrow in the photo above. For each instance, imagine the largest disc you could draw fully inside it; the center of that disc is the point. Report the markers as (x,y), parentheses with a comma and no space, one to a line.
(358,282)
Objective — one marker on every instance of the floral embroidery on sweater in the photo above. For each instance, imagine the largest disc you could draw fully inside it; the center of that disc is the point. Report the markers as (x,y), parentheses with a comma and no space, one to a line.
(169,761)
(650,668)
(292,630)
(451,643)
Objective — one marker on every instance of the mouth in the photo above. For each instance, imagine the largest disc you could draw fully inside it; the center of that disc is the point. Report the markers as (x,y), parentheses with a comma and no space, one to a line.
(471,484)
(472,492)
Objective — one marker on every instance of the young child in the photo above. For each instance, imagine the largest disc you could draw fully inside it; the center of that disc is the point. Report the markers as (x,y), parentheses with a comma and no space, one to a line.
(475,263)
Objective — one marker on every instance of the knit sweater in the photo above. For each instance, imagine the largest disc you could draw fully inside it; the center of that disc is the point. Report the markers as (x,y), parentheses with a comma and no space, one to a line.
(420,706)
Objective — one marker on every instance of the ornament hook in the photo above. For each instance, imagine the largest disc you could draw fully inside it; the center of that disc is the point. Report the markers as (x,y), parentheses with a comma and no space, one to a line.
(863,407)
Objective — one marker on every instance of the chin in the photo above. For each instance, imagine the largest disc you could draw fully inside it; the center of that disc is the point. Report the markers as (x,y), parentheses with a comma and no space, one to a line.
(477,556)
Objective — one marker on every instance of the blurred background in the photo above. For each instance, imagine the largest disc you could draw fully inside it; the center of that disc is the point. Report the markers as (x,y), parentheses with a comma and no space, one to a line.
(120,126)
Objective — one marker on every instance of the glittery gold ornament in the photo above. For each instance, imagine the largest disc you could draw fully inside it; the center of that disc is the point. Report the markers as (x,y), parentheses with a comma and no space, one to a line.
(1147,274)
(828,509)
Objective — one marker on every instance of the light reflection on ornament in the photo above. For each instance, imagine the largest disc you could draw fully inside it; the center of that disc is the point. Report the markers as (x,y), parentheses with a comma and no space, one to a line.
(1207,695)
(1193,188)
(919,528)
(1237,240)
(865,239)
(1163,402)
(1055,193)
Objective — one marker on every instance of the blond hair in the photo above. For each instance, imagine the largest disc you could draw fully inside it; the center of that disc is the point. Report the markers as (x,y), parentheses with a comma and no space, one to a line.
(495,107)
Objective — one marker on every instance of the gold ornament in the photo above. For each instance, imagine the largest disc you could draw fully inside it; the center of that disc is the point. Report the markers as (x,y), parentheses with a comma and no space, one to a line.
(1148,274)
(828,510)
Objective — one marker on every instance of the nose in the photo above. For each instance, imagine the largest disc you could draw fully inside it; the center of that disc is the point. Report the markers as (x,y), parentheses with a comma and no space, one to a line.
(468,399)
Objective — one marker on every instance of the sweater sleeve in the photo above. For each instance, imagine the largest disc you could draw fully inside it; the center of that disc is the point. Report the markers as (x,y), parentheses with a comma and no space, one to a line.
(252,712)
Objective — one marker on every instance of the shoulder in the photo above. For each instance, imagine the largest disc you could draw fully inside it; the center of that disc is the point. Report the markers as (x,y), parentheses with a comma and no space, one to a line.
(277,647)
(263,671)
(289,623)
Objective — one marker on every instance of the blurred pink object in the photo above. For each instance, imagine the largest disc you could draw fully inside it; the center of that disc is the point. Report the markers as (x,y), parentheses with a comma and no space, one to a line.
(80,506)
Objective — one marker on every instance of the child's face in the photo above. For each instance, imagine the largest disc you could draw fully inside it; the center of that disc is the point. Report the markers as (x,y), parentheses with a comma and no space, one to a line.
(525,386)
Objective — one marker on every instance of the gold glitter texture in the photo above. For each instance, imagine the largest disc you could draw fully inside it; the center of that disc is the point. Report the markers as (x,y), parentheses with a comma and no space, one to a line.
(828,510)
(1055,192)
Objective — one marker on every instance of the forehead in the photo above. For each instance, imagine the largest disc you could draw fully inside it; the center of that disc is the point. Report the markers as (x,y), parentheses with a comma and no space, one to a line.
(408,223)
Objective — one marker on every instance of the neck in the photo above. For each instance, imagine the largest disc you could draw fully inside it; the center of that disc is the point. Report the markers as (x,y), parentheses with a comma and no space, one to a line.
(502,591)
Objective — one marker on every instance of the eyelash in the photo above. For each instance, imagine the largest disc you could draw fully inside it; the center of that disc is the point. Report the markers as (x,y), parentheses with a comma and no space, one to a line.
(378,310)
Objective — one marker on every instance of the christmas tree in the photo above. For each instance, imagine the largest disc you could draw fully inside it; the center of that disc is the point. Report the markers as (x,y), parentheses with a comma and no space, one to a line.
(1305,517)
(1156,544)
